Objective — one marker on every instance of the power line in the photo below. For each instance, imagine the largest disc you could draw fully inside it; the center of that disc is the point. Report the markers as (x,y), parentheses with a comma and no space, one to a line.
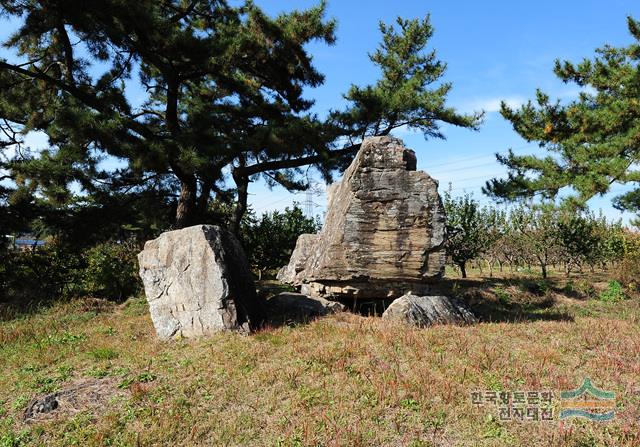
(477,157)
(466,168)
(272,203)
(309,207)
(317,192)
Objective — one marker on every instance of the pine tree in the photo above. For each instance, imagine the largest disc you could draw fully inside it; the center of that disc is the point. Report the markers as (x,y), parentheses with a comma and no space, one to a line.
(409,92)
(221,81)
(592,142)
(191,95)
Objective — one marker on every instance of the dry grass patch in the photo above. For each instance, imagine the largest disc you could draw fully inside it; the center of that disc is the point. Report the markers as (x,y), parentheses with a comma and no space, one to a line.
(341,380)
(87,394)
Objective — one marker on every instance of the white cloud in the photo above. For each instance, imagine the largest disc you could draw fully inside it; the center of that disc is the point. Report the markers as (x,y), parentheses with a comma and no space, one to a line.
(573,93)
(491,105)
(403,131)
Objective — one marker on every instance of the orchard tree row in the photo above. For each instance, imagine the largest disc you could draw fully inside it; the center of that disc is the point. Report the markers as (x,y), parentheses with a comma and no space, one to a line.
(526,236)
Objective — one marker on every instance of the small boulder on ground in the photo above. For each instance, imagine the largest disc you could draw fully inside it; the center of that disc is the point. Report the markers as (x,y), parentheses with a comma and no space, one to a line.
(289,306)
(423,311)
(198,282)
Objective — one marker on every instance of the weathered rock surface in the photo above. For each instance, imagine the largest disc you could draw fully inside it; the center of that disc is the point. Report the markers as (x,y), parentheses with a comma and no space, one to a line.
(383,234)
(298,307)
(423,311)
(304,245)
(197,282)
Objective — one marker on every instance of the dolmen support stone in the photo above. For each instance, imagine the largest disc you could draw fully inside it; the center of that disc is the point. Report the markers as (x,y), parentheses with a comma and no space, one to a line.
(288,306)
(383,233)
(423,311)
(198,282)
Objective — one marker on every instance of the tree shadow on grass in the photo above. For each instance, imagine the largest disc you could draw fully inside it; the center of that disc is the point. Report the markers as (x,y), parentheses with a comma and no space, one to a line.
(510,300)
(497,312)
(17,309)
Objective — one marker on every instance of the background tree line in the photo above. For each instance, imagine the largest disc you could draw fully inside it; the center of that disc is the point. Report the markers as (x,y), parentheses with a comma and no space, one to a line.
(523,238)
(109,269)
(541,236)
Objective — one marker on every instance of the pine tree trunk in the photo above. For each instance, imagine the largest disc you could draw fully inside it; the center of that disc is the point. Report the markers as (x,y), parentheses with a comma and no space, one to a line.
(186,211)
(203,200)
(242,184)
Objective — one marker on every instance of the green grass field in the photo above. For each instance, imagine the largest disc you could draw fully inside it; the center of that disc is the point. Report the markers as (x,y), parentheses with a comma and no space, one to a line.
(344,380)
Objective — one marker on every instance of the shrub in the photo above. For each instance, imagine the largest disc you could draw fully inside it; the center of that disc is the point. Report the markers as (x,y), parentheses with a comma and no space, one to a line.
(569,288)
(613,293)
(585,288)
(111,270)
(42,275)
(503,296)
(538,287)
(56,271)
(270,239)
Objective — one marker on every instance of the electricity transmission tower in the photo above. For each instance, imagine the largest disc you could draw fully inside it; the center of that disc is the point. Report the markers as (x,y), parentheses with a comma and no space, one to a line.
(309,205)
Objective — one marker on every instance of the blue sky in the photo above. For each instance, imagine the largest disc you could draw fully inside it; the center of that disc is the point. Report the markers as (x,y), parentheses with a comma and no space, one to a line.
(495,50)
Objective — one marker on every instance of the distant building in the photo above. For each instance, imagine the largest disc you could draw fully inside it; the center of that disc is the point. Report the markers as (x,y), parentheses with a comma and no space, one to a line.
(25,243)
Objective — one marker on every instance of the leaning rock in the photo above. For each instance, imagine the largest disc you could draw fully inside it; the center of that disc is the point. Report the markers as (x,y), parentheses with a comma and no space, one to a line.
(383,234)
(296,306)
(304,245)
(197,282)
(424,311)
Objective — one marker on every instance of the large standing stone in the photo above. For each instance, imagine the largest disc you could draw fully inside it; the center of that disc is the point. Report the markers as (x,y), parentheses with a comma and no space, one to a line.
(383,233)
(197,282)
(424,311)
